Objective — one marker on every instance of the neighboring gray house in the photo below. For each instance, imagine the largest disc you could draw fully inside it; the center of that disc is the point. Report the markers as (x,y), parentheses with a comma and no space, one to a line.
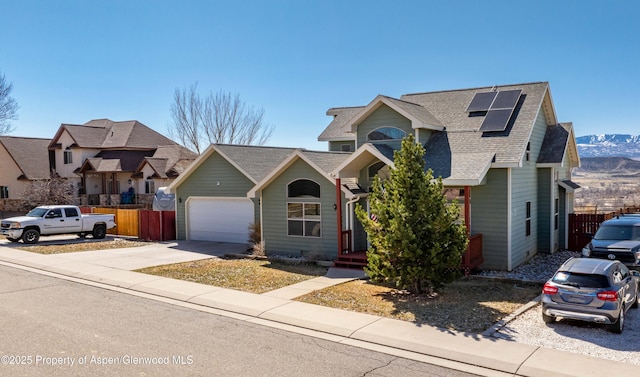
(500,150)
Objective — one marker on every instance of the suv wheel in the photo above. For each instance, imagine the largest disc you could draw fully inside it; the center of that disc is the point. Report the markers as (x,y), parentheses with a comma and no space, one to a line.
(619,324)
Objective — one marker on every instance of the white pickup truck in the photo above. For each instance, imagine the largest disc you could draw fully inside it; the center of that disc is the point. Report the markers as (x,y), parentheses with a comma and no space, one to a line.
(50,220)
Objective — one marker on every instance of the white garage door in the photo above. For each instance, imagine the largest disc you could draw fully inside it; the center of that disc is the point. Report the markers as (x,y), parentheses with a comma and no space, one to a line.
(219,219)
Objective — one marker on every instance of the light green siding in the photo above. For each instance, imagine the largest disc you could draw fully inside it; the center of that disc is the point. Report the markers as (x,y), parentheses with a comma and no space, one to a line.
(214,177)
(423,135)
(545,204)
(340,146)
(383,116)
(274,214)
(489,207)
(523,190)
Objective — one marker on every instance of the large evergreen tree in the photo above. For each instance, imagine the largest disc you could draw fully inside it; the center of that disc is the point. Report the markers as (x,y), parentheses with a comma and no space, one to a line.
(416,241)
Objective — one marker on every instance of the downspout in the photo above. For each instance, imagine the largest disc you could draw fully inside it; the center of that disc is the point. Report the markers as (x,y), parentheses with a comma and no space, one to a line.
(467,209)
(509,219)
(350,213)
(552,212)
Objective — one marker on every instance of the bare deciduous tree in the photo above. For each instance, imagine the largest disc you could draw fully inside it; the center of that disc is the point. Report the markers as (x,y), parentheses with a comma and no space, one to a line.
(48,192)
(8,106)
(220,117)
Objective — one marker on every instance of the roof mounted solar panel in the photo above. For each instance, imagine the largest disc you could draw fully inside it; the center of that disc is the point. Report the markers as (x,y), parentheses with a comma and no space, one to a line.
(506,99)
(481,101)
(496,120)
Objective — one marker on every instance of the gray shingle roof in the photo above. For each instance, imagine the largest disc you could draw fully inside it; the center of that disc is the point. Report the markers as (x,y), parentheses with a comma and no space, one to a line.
(554,144)
(339,129)
(170,160)
(115,161)
(327,161)
(30,154)
(417,111)
(462,135)
(256,161)
(107,134)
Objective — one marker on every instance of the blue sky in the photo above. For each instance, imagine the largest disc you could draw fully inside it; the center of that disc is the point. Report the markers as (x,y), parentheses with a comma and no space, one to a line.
(73,61)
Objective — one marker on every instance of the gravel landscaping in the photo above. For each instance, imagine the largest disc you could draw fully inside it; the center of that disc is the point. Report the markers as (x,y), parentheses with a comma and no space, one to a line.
(566,335)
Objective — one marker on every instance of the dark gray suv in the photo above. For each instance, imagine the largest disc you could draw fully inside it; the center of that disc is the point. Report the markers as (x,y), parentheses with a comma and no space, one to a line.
(617,238)
(593,290)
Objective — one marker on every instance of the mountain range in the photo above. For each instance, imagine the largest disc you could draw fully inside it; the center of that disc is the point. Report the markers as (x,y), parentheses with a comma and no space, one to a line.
(609,145)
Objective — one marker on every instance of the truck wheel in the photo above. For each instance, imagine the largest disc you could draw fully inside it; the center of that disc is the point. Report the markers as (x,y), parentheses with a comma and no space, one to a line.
(99,231)
(30,236)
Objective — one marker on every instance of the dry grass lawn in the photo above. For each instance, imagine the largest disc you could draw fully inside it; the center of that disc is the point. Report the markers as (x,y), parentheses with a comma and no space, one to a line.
(469,305)
(74,247)
(242,274)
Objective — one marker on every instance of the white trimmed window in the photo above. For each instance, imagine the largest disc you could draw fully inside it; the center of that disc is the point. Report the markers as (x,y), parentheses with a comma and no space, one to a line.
(303,216)
(4,192)
(303,220)
(149,186)
(68,156)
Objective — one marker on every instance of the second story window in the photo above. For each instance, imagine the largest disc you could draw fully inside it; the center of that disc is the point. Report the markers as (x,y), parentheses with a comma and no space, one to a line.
(386,134)
(149,186)
(68,156)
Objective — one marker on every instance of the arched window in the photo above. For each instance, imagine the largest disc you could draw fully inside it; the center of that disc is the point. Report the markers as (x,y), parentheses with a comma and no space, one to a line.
(386,133)
(303,188)
(303,216)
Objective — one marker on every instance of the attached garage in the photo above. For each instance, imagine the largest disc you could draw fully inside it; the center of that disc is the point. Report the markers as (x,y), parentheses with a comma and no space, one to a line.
(219,219)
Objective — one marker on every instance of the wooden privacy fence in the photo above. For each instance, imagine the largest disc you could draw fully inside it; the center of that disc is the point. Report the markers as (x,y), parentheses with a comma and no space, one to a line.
(582,224)
(144,224)
(157,225)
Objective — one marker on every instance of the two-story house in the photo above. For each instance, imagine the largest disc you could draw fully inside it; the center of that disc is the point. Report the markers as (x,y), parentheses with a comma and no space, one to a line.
(499,150)
(106,159)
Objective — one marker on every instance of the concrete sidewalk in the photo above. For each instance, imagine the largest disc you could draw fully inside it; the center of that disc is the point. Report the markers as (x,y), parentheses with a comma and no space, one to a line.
(469,352)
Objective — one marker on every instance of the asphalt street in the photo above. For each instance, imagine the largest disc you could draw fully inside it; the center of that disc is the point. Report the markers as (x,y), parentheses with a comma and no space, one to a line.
(55,327)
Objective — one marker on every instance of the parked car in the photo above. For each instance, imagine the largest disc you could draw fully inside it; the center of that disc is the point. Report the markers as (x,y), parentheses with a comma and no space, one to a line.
(50,220)
(617,238)
(593,290)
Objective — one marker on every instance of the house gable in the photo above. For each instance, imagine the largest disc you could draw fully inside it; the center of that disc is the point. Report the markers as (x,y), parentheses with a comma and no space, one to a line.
(23,160)
(382,117)
(215,176)
(274,202)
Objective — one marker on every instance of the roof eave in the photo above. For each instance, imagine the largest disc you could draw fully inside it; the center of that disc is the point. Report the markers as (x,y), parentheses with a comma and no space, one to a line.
(339,138)
(456,182)
(284,165)
(337,172)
